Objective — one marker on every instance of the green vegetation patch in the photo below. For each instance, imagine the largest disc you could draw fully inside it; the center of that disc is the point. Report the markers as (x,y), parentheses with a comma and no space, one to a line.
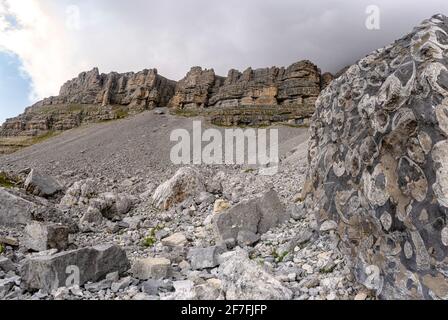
(43,137)
(151,239)
(122,113)
(5,181)
(279,257)
(187,113)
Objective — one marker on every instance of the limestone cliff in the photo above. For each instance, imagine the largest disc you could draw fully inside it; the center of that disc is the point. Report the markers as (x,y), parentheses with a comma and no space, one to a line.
(256,96)
(93,97)
(252,97)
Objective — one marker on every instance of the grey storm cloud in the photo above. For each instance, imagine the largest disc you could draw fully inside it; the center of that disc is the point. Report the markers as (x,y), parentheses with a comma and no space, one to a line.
(173,35)
(237,34)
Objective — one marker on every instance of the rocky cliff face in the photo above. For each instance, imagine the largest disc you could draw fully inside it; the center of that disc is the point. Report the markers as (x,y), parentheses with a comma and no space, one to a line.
(378,161)
(142,90)
(93,97)
(253,96)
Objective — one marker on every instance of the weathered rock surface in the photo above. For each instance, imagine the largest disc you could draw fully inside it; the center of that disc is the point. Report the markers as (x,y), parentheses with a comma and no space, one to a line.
(151,268)
(14,209)
(245,222)
(187,290)
(93,97)
(42,236)
(252,97)
(175,240)
(243,279)
(378,164)
(41,184)
(205,258)
(194,90)
(185,183)
(6,264)
(50,272)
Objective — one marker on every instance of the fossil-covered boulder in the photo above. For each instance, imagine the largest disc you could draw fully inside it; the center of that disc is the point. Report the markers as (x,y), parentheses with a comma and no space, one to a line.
(378,160)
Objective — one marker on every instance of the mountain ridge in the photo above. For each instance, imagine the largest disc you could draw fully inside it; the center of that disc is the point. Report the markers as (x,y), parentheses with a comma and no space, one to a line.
(95,97)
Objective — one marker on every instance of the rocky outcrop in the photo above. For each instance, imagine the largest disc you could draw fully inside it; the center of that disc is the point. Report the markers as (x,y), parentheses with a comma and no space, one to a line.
(195,89)
(142,90)
(253,96)
(378,164)
(93,97)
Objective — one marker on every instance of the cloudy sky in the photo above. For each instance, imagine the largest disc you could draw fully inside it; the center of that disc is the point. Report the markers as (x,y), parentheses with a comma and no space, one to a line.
(43,43)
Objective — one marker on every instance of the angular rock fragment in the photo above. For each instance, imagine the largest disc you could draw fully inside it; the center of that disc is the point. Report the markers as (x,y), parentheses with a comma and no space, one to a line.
(185,183)
(14,210)
(175,240)
(244,279)
(44,236)
(49,272)
(42,185)
(113,205)
(204,258)
(6,285)
(151,268)
(92,215)
(220,206)
(6,265)
(244,222)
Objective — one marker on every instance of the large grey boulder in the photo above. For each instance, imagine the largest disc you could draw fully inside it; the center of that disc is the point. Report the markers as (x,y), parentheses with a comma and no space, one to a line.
(44,236)
(80,193)
(14,209)
(205,258)
(378,164)
(113,205)
(244,279)
(246,221)
(188,290)
(6,264)
(49,272)
(185,183)
(42,185)
(151,268)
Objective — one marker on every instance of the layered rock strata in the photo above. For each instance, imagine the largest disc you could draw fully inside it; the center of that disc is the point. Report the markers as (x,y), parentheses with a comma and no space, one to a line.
(93,97)
(258,96)
(252,97)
